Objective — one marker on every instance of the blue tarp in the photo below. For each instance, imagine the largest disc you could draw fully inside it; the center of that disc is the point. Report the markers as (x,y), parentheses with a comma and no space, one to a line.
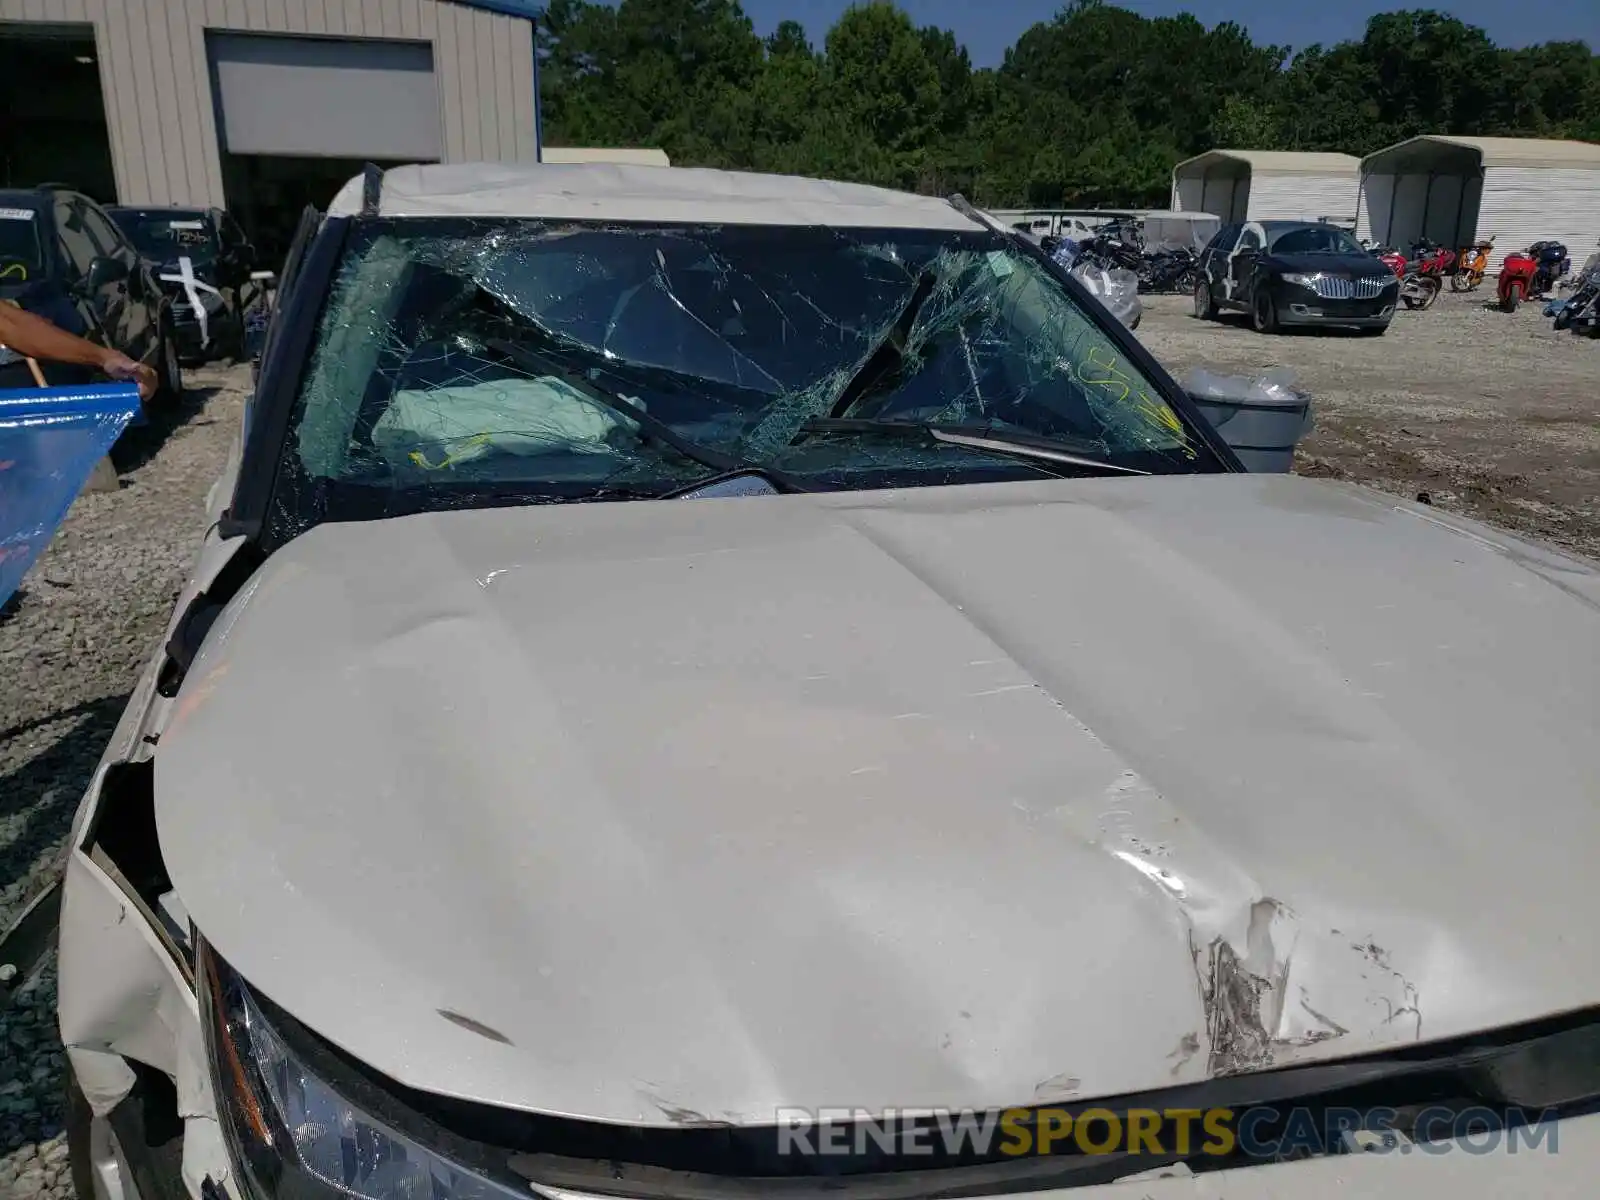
(50,440)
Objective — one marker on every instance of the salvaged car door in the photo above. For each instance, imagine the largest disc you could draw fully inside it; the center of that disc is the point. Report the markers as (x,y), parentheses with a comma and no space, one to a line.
(132,312)
(1214,264)
(78,253)
(1242,262)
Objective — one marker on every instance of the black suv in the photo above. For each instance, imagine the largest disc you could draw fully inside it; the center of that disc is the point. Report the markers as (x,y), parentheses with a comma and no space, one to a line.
(1295,273)
(63,259)
(208,307)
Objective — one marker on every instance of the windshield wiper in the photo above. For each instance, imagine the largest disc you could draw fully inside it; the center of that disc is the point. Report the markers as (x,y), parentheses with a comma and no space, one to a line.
(650,428)
(977,437)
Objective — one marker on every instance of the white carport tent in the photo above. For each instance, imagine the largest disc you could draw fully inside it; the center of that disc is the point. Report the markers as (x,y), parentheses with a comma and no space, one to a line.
(1452,190)
(1265,185)
(630,156)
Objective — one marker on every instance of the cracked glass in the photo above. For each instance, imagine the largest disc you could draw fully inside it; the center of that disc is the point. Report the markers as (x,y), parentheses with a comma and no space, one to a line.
(461,361)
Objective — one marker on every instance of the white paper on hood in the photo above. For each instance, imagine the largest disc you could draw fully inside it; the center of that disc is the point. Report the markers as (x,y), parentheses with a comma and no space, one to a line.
(193,287)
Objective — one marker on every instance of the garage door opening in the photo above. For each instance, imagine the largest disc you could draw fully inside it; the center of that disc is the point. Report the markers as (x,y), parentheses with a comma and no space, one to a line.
(52,115)
(266,193)
(298,116)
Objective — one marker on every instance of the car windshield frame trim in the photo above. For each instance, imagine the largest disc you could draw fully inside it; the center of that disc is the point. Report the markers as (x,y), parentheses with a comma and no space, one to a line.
(260,482)
(283,369)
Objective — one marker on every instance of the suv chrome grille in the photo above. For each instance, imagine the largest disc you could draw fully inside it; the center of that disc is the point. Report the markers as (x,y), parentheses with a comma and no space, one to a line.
(1333,287)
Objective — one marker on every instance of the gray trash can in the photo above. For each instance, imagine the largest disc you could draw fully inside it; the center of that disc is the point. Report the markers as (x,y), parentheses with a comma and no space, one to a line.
(1262,420)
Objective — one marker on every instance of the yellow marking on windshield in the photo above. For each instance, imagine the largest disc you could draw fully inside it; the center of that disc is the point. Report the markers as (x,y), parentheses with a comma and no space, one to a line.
(1154,412)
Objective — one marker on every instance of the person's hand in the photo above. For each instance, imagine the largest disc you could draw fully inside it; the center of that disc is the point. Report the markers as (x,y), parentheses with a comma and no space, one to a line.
(120,366)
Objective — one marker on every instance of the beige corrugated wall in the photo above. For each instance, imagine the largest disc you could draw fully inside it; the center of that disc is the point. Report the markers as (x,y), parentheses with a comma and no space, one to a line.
(159,110)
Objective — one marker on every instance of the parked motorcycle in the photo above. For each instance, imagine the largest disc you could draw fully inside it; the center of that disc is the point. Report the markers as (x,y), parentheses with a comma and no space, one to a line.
(1524,276)
(1420,275)
(1435,259)
(1108,250)
(1471,264)
(1580,312)
(1553,265)
(1171,269)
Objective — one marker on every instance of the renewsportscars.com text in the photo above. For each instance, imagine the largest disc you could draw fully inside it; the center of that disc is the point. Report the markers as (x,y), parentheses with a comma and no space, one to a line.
(1267,1133)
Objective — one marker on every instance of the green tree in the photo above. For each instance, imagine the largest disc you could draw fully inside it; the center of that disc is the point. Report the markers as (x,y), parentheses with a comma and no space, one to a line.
(884,88)
(1092,106)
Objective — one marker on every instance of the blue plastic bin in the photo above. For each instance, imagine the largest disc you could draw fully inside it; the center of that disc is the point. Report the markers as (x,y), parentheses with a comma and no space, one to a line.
(50,441)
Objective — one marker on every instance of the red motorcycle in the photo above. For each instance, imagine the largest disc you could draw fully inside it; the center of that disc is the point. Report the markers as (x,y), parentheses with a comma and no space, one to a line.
(1422,275)
(1533,273)
(1516,280)
(1436,260)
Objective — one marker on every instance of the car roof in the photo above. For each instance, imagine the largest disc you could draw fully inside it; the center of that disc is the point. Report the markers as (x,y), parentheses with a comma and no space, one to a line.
(21,198)
(1281,226)
(162,209)
(625,192)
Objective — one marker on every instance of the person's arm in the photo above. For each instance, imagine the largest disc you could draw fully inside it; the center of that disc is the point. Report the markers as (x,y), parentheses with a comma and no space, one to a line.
(35,337)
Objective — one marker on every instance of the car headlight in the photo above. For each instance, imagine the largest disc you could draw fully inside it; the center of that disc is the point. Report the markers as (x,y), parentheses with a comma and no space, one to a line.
(294,1137)
(1305,281)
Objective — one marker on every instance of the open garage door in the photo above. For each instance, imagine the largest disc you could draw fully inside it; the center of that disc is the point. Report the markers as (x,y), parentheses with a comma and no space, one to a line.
(326,97)
(52,114)
(298,116)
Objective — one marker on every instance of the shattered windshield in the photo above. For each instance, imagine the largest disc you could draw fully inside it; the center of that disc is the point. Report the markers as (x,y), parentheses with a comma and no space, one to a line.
(457,353)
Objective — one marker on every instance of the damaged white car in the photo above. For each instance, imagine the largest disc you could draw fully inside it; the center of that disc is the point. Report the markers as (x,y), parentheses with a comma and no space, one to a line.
(982,746)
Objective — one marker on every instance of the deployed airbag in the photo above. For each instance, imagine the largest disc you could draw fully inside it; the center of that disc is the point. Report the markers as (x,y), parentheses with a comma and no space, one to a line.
(439,427)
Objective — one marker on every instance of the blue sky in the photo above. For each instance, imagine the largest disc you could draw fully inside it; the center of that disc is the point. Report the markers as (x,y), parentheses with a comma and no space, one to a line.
(989,26)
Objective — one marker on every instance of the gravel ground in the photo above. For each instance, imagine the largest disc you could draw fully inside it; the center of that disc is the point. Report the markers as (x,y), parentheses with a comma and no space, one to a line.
(72,644)
(1490,414)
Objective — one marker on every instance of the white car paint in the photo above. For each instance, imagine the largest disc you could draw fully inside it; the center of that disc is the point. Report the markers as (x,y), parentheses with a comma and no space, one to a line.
(768,802)
(620,191)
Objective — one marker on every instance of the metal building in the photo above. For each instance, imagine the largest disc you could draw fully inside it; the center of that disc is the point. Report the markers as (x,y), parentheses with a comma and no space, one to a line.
(1453,190)
(1266,185)
(252,104)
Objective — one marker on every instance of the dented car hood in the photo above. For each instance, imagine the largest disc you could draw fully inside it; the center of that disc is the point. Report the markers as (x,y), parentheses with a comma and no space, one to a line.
(977,796)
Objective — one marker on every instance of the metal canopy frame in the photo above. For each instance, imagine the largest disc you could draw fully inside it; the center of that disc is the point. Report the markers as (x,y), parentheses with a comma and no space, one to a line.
(1429,157)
